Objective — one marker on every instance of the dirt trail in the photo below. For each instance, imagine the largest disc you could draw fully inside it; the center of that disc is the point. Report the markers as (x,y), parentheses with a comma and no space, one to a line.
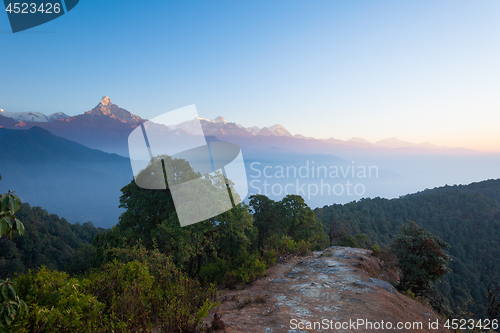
(334,288)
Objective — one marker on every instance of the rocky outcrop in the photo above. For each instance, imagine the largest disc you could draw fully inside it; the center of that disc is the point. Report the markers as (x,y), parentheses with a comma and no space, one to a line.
(340,289)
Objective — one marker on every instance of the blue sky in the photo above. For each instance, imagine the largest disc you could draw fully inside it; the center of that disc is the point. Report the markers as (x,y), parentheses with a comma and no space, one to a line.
(416,70)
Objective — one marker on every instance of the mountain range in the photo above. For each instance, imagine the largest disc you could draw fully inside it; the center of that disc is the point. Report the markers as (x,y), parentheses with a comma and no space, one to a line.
(38,161)
(33,116)
(107,126)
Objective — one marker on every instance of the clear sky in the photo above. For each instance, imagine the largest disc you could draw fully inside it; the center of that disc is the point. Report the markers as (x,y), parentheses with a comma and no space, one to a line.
(415,70)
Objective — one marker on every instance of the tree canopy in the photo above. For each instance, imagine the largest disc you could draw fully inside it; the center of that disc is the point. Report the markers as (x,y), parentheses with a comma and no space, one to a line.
(289,217)
(151,219)
(421,257)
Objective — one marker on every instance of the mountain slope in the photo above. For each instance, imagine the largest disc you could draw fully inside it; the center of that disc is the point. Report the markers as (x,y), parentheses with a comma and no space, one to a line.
(41,146)
(48,240)
(6,122)
(488,188)
(64,177)
(107,108)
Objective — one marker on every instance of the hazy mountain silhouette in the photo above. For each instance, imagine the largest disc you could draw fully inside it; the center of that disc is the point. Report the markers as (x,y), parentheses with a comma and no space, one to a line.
(64,177)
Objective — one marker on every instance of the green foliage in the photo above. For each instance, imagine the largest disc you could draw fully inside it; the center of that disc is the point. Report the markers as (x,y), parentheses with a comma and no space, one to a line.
(269,257)
(493,296)
(57,303)
(215,272)
(349,241)
(286,245)
(299,222)
(290,217)
(124,289)
(244,269)
(11,305)
(217,250)
(150,219)
(48,240)
(361,240)
(265,218)
(144,289)
(376,250)
(134,290)
(420,256)
(9,205)
(249,269)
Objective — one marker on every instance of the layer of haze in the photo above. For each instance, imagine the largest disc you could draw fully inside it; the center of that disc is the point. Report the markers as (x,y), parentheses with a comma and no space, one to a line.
(415,70)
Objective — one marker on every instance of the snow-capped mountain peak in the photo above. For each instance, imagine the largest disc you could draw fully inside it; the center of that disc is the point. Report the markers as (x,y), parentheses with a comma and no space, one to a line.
(35,117)
(105,101)
(220,126)
(107,108)
(279,130)
(220,119)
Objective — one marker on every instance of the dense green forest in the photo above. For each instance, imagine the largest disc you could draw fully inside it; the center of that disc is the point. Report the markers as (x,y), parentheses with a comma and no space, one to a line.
(49,240)
(466,217)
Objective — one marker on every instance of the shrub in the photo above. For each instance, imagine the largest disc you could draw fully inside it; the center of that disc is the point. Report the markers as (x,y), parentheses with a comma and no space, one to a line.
(349,241)
(124,288)
(10,305)
(245,269)
(250,269)
(57,303)
(134,290)
(269,257)
(285,245)
(155,294)
(215,271)
(361,240)
(376,250)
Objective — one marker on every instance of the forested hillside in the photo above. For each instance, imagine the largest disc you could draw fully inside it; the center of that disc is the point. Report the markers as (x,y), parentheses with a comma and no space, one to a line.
(48,240)
(489,188)
(467,217)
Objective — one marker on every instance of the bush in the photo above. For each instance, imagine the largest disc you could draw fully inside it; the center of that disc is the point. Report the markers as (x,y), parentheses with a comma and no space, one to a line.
(57,303)
(285,245)
(251,269)
(349,241)
(215,271)
(269,257)
(245,269)
(361,240)
(148,291)
(10,305)
(376,250)
(124,288)
(134,290)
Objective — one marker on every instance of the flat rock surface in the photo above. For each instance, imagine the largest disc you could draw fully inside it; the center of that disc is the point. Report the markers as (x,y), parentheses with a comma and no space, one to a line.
(331,290)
